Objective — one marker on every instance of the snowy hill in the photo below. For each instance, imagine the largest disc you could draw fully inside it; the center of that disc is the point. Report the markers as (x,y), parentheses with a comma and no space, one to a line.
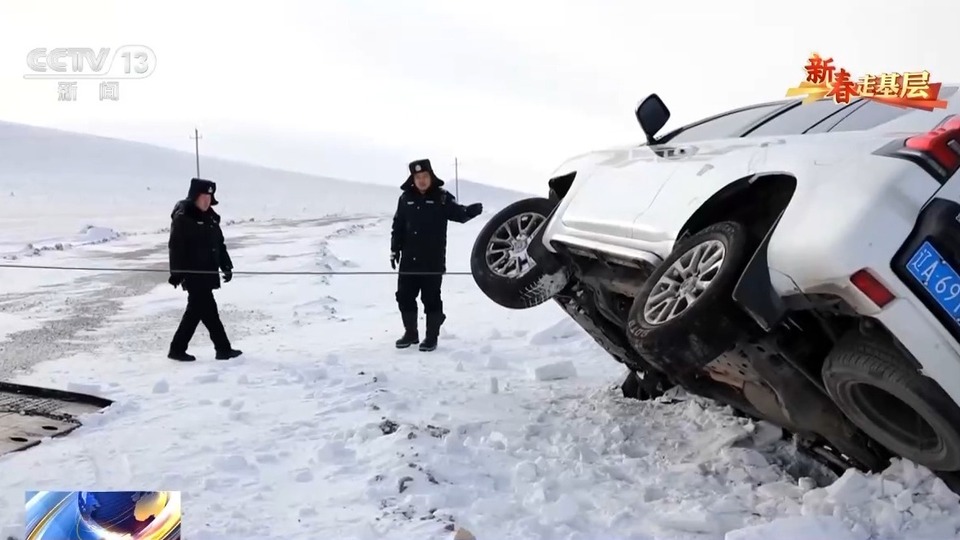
(62,184)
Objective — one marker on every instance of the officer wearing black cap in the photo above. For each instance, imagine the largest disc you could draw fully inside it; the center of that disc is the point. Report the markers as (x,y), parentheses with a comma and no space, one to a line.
(197,256)
(419,244)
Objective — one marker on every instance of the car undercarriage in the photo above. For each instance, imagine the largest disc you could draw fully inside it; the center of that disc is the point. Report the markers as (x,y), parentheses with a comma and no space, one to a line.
(769,375)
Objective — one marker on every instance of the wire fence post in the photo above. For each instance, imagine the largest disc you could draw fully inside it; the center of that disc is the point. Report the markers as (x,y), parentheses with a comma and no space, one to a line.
(456,176)
(196,148)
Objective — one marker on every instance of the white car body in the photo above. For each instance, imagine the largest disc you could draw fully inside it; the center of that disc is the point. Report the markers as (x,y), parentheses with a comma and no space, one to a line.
(852,210)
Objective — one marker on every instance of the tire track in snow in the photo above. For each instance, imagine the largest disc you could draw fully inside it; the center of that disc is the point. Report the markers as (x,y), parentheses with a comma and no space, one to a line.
(245,319)
(74,311)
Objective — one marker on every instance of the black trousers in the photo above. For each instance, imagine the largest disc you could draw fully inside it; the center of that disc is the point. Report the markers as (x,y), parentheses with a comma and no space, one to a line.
(409,286)
(201,307)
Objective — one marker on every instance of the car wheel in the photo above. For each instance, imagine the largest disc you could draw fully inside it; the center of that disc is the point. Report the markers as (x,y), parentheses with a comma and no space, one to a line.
(684,315)
(510,265)
(892,402)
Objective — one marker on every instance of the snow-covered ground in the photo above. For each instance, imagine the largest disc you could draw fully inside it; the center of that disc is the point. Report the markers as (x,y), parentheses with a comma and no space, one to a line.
(323,430)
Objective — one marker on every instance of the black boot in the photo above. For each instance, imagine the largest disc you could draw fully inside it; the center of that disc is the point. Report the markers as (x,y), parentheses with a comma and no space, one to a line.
(410,334)
(434,322)
(181,356)
(227,354)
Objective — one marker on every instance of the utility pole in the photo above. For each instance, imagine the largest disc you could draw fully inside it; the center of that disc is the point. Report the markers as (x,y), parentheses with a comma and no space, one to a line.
(456,177)
(196,148)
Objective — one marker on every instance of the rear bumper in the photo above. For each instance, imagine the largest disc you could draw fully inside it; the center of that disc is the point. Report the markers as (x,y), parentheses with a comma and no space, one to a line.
(938,224)
(919,323)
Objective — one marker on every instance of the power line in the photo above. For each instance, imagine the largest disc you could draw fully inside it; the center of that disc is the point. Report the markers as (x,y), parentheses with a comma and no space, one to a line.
(237,273)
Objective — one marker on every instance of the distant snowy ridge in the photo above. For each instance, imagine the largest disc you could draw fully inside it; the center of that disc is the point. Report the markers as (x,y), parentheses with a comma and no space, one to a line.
(96,183)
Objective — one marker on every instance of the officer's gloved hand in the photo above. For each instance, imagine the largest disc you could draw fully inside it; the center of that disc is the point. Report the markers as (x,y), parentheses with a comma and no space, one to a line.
(176,280)
(227,275)
(474,209)
(394,259)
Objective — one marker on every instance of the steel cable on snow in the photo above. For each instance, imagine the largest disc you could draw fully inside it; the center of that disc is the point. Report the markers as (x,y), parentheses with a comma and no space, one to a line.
(235,273)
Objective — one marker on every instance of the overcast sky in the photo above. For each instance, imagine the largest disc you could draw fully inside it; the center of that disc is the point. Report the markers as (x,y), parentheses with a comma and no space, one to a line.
(356,88)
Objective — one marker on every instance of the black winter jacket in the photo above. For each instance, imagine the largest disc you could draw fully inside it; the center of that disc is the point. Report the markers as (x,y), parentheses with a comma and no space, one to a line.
(197,244)
(420,226)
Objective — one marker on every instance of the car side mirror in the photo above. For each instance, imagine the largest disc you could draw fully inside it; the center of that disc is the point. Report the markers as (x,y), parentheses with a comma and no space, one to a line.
(652,114)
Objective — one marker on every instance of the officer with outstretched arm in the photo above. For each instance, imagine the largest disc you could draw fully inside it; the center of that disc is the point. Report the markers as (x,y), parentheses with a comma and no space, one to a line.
(418,243)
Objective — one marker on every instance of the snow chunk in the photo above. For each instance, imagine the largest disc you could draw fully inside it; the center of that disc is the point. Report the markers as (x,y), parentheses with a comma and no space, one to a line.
(797,528)
(698,521)
(943,496)
(565,329)
(554,371)
(161,387)
(779,490)
(525,472)
(303,476)
(903,501)
(891,488)
(806,484)
(851,489)
(96,235)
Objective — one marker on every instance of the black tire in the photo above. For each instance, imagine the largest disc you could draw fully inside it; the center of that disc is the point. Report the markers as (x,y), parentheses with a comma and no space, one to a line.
(547,276)
(892,402)
(708,326)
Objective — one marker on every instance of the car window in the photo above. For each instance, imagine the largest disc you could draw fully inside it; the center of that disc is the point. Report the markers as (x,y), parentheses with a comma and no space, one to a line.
(875,113)
(798,119)
(728,125)
(827,123)
(871,115)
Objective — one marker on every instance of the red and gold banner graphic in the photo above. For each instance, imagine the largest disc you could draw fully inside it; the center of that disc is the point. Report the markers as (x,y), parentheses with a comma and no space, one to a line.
(909,89)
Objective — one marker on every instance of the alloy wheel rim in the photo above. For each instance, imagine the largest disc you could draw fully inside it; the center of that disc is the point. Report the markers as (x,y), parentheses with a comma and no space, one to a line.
(684,282)
(507,253)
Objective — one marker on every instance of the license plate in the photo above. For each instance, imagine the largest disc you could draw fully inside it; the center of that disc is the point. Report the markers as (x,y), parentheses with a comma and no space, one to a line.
(937,276)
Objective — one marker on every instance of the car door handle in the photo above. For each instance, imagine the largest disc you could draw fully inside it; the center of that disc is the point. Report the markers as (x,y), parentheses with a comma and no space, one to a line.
(675,151)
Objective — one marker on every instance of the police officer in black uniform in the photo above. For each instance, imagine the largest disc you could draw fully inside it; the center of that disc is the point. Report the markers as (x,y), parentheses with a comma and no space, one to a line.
(419,244)
(197,256)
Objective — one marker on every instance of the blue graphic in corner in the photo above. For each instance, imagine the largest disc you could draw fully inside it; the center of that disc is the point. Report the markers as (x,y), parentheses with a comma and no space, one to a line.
(100,515)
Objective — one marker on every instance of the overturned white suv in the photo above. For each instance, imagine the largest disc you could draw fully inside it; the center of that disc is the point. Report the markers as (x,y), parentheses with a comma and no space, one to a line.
(798,262)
